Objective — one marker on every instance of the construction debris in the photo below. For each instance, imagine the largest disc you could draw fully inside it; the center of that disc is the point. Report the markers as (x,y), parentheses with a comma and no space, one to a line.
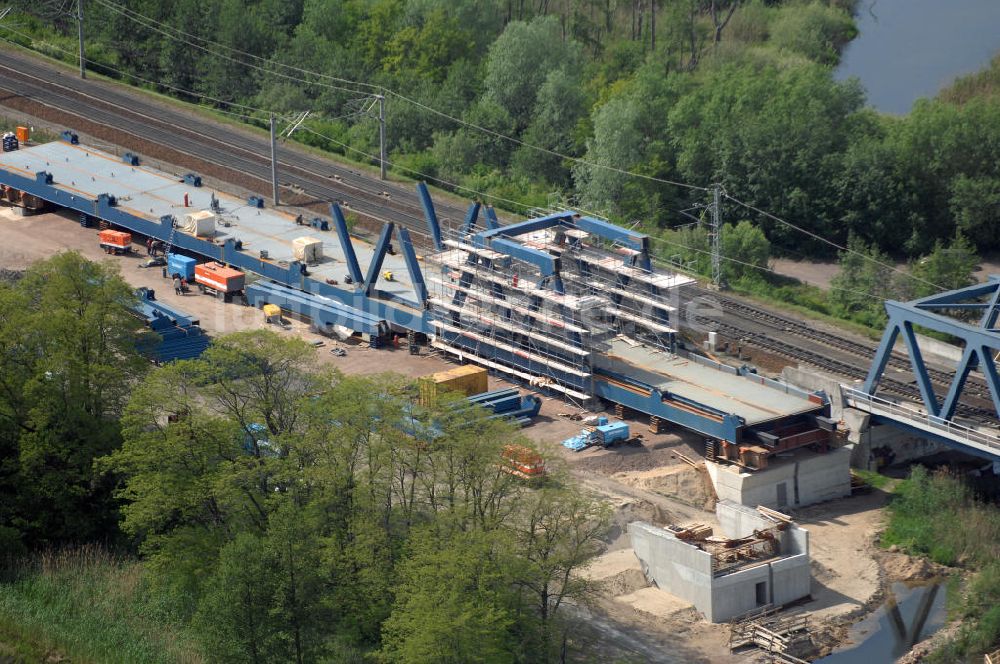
(787,639)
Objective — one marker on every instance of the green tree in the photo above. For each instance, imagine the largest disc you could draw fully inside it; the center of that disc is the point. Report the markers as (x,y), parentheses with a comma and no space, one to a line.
(817,31)
(427,49)
(775,136)
(947,267)
(520,60)
(975,203)
(557,534)
(747,251)
(558,112)
(234,612)
(455,602)
(67,362)
(863,283)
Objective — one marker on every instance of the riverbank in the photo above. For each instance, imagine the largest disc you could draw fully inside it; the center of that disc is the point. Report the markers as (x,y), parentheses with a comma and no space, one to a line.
(938,518)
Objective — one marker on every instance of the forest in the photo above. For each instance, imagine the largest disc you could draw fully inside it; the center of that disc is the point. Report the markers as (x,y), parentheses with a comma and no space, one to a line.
(629,108)
(255,505)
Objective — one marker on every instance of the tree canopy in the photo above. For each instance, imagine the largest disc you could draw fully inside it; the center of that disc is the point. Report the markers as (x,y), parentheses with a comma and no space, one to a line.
(737,92)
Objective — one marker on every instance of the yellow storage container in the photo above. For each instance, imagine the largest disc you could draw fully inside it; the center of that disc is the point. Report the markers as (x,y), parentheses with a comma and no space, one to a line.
(467,380)
(272,313)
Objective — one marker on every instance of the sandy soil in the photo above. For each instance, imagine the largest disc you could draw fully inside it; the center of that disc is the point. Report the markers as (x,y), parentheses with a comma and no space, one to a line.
(821,273)
(846,575)
(815,273)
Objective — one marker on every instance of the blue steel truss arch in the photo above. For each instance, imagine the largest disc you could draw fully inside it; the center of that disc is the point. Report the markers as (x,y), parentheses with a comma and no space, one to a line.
(981,341)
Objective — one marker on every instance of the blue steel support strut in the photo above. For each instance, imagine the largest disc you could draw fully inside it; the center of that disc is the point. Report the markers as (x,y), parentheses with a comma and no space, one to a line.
(920,369)
(989,319)
(989,367)
(470,218)
(491,218)
(882,357)
(381,248)
(413,265)
(430,215)
(351,258)
(969,361)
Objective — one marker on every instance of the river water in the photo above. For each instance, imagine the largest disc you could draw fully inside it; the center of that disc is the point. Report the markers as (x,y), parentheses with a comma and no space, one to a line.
(909,615)
(909,49)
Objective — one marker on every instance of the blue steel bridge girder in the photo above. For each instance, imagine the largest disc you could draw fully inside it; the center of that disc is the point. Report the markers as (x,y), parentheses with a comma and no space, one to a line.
(981,342)
(430,215)
(101,207)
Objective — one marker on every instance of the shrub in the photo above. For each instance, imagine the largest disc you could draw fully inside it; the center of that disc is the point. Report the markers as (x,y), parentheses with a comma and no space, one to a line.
(816,31)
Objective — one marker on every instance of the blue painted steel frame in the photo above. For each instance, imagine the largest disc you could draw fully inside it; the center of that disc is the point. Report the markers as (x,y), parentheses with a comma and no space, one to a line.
(470,218)
(982,342)
(603,229)
(727,427)
(42,187)
(344,234)
(430,215)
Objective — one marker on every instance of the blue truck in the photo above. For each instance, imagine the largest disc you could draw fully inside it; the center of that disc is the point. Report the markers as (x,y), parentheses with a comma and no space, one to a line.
(604,434)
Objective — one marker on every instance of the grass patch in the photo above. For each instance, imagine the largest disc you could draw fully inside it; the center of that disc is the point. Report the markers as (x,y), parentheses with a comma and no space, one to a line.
(874,479)
(937,515)
(89,606)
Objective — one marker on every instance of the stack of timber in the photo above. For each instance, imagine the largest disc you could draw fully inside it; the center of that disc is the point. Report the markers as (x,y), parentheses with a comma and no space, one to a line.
(778,636)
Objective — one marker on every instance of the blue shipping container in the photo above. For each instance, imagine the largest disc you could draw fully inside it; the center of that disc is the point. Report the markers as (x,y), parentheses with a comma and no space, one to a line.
(182,265)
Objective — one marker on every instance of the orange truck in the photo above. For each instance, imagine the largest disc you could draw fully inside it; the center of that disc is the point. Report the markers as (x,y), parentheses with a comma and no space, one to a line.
(115,242)
(219,280)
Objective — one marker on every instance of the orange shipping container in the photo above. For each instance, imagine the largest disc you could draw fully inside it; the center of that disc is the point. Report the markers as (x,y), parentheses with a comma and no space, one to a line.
(219,277)
(116,239)
(22,135)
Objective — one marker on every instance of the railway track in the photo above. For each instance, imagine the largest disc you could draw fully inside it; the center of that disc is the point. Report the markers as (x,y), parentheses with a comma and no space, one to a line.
(245,152)
(975,387)
(838,367)
(224,146)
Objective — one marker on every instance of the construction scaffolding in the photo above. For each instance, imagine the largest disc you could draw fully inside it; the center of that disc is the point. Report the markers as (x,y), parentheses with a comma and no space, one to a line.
(543,306)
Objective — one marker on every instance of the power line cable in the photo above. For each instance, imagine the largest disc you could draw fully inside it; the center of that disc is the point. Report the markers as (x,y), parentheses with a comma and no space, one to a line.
(848,250)
(192,93)
(236,50)
(157,26)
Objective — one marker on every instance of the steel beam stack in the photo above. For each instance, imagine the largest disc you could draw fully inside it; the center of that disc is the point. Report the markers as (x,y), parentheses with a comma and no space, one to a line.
(179,337)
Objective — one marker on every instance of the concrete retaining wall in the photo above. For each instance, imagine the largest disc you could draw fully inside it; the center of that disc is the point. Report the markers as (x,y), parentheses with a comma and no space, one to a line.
(806,479)
(685,571)
(678,568)
(790,578)
(735,594)
(737,520)
(904,443)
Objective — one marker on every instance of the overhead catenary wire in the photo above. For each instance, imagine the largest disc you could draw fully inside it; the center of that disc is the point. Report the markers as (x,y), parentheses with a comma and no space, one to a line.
(157,26)
(179,35)
(185,37)
(175,88)
(237,51)
(526,206)
(831,243)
